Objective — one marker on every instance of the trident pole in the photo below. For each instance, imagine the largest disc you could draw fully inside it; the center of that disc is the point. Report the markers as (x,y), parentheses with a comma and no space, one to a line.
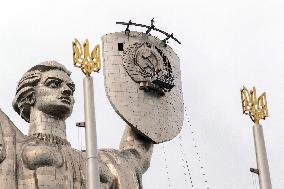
(257,109)
(93,181)
(261,158)
(89,62)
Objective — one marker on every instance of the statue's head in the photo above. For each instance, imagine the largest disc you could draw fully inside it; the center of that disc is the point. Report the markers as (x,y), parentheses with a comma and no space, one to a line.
(46,87)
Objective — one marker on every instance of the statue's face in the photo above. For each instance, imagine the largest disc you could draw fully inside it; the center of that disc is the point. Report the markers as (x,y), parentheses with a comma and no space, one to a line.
(54,94)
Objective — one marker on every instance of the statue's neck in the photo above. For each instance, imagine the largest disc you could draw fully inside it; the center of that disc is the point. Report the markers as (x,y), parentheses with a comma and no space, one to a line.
(46,124)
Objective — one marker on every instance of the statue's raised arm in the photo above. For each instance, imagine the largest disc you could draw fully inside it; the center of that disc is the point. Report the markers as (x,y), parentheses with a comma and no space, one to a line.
(143,84)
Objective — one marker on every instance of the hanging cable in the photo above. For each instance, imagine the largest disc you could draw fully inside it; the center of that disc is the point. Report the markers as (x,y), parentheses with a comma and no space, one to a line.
(255,181)
(166,167)
(81,159)
(196,149)
(186,167)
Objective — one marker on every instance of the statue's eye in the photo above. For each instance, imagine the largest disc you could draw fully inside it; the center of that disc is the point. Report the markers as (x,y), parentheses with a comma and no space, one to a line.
(54,84)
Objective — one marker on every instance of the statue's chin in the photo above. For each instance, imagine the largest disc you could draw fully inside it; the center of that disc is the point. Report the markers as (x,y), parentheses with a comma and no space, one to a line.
(61,111)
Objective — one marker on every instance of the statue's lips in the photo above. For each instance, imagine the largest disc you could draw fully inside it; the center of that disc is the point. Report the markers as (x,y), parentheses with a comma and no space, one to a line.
(65,99)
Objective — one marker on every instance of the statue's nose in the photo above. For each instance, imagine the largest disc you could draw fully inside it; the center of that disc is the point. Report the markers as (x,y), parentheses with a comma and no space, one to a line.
(67,91)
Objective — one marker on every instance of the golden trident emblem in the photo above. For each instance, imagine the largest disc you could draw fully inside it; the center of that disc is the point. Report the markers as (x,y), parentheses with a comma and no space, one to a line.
(256,108)
(83,59)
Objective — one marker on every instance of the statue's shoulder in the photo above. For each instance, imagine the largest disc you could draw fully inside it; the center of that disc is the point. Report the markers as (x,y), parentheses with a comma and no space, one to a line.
(10,135)
(8,128)
(10,138)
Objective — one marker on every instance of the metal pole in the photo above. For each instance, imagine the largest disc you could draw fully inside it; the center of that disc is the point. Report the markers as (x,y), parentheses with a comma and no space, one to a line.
(261,158)
(93,179)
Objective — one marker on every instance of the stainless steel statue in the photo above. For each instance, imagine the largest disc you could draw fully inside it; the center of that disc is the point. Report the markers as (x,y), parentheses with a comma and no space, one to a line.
(143,84)
(44,158)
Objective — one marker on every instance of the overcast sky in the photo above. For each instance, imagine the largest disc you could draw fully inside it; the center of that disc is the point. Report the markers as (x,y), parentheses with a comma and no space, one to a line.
(225,44)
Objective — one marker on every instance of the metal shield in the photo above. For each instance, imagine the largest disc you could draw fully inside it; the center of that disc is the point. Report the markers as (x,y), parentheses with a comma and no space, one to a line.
(143,84)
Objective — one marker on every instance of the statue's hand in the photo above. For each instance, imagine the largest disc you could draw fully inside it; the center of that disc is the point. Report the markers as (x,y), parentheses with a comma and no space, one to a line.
(38,155)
